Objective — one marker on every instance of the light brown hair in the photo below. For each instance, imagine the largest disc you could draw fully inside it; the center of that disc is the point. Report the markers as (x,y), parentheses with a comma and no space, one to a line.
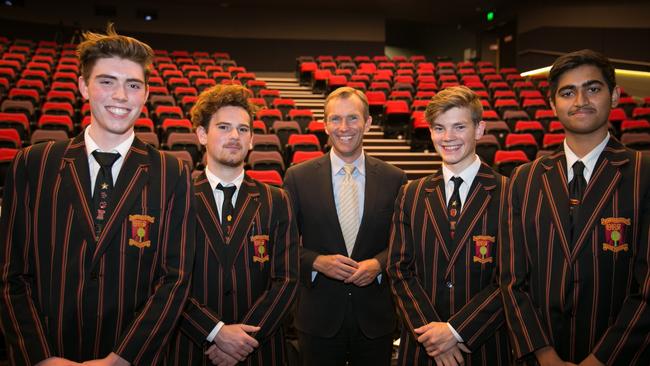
(454,97)
(345,92)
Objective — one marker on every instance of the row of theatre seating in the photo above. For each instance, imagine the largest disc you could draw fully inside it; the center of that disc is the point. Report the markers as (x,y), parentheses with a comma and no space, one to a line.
(516,109)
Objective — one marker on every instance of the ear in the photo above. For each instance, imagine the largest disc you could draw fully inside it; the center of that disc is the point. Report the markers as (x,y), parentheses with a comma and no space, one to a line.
(366,126)
(480,130)
(83,87)
(616,96)
(202,134)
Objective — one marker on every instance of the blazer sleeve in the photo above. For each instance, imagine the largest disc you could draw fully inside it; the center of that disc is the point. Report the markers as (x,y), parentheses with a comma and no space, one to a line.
(307,256)
(20,317)
(483,315)
(412,300)
(271,307)
(629,333)
(524,323)
(144,340)
(197,320)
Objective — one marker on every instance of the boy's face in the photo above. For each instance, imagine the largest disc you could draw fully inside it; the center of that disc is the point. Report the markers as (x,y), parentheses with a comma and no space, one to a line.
(454,136)
(116,91)
(228,137)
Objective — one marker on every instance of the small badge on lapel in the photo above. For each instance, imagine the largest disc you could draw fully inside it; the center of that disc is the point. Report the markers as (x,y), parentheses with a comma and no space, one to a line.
(615,229)
(140,225)
(483,248)
(261,250)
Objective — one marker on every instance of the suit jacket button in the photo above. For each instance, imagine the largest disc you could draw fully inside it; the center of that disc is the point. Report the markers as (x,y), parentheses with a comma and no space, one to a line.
(449,284)
(93,276)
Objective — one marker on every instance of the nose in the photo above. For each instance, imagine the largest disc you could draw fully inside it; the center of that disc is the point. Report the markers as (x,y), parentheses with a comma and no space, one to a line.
(120,93)
(448,134)
(582,98)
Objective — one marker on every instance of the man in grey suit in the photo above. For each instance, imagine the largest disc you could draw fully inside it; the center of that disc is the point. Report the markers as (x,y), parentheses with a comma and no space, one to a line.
(344,203)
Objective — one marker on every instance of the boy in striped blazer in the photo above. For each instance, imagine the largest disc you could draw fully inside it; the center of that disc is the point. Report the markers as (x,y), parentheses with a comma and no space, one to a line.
(97,232)
(444,241)
(246,271)
(574,276)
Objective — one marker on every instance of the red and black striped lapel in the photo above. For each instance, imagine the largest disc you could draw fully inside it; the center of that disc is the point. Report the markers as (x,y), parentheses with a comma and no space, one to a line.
(554,183)
(207,217)
(75,179)
(246,208)
(437,211)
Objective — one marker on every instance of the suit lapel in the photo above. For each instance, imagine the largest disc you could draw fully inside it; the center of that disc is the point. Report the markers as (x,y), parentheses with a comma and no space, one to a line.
(602,184)
(133,175)
(246,207)
(477,201)
(437,211)
(76,183)
(554,183)
(208,218)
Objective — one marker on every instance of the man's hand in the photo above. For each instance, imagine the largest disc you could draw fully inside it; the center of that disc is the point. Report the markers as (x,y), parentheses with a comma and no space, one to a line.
(366,272)
(548,357)
(218,357)
(335,266)
(436,338)
(452,357)
(57,361)
(235,341)
(111,360)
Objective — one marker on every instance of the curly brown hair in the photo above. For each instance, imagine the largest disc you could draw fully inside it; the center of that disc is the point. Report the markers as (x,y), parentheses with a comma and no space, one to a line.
(217,97)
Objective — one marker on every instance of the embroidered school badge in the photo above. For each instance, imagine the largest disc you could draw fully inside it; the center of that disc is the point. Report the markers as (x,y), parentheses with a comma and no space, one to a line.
(615,233)
(140,225)
(483,248)
(260,246)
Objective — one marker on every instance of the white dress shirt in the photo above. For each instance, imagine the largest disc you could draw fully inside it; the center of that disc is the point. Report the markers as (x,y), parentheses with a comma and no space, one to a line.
(123,148)
(588,160)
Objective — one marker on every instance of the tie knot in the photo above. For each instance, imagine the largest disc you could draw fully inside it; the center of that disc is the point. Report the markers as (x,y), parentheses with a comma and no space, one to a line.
(106,160)
(349,169)
(457,181)
(228,191)
(578,168)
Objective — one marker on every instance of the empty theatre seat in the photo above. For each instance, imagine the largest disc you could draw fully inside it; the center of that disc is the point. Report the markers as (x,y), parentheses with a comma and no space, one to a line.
(271,177)
(268,142)
(16,121)
(486,147)
(54,122)
(420,134)
(301,156)
(397,115)
(9,138)
(552,141)
(506,161)
(524,142)
(635,126)
(269,116)
(266,160)
(636,141)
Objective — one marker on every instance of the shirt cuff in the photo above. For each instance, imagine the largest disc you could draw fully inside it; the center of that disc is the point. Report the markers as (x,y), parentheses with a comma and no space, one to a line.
(215,331)
(313,275)
(455,333)
(379,278)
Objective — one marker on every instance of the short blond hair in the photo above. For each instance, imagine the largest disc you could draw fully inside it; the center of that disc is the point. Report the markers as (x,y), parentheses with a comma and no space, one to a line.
(345,92)
(454,97)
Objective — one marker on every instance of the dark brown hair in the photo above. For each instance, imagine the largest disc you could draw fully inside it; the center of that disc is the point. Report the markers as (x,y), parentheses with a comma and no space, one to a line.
(217,97)
(576,59)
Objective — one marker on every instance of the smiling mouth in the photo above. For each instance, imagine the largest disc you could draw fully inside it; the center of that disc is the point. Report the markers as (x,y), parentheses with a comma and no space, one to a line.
(451,148)
(118,111)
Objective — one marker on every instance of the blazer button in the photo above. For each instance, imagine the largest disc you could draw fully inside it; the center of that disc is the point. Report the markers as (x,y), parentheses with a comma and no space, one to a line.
(449,284)
(93,276)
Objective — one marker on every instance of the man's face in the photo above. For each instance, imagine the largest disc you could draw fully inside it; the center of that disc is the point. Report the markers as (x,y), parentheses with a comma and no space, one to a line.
(582,101)
(346,125)
(454,136)
(116,91)
(228,137)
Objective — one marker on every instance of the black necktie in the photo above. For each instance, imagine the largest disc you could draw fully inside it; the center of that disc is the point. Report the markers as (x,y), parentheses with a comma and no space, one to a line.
(453,207)
(576,191)
(227,209)
(103,187)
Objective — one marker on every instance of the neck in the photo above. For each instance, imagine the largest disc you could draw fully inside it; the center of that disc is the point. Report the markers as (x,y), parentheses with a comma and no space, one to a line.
(581,145)
(459,167)
(225,172)
(348,159)
(107,141)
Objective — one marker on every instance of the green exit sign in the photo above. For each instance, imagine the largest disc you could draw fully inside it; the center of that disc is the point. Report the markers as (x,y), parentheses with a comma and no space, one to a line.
(490,16)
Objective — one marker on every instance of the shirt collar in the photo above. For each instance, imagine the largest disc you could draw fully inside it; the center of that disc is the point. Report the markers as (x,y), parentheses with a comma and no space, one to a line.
(338,163)
(588,160)
(122,148)
(467,174)
(214,180)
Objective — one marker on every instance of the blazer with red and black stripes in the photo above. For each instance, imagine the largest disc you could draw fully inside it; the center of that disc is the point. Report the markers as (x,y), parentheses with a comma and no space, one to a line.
(590,296)
(249,276)
(437,278)
(65,292)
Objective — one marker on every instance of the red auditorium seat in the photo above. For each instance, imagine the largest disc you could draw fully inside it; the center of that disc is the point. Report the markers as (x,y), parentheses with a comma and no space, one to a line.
(170,125)
(397,115)
(552,141)
(641,112)
(302,116)
(16,121)
(10,138)
(506,161)
(636,141)
(532,127)
(269,116)
(525,142)
(53,108)
(318,128)
(635,126)
(266,160)
(259,127)
(486,147)
(54,122)
(302,156)
(301,142)
(143,125)
(271,177)
(420,134)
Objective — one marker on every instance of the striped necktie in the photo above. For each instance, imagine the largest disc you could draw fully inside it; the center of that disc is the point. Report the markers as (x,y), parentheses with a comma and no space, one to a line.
(348,208)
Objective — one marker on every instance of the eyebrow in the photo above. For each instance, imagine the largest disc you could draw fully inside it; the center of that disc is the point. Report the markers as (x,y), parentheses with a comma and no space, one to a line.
(584,85)
(130,80)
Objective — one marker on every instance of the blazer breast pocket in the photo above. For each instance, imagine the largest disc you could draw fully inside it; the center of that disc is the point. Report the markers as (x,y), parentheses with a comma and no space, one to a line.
(142,232)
